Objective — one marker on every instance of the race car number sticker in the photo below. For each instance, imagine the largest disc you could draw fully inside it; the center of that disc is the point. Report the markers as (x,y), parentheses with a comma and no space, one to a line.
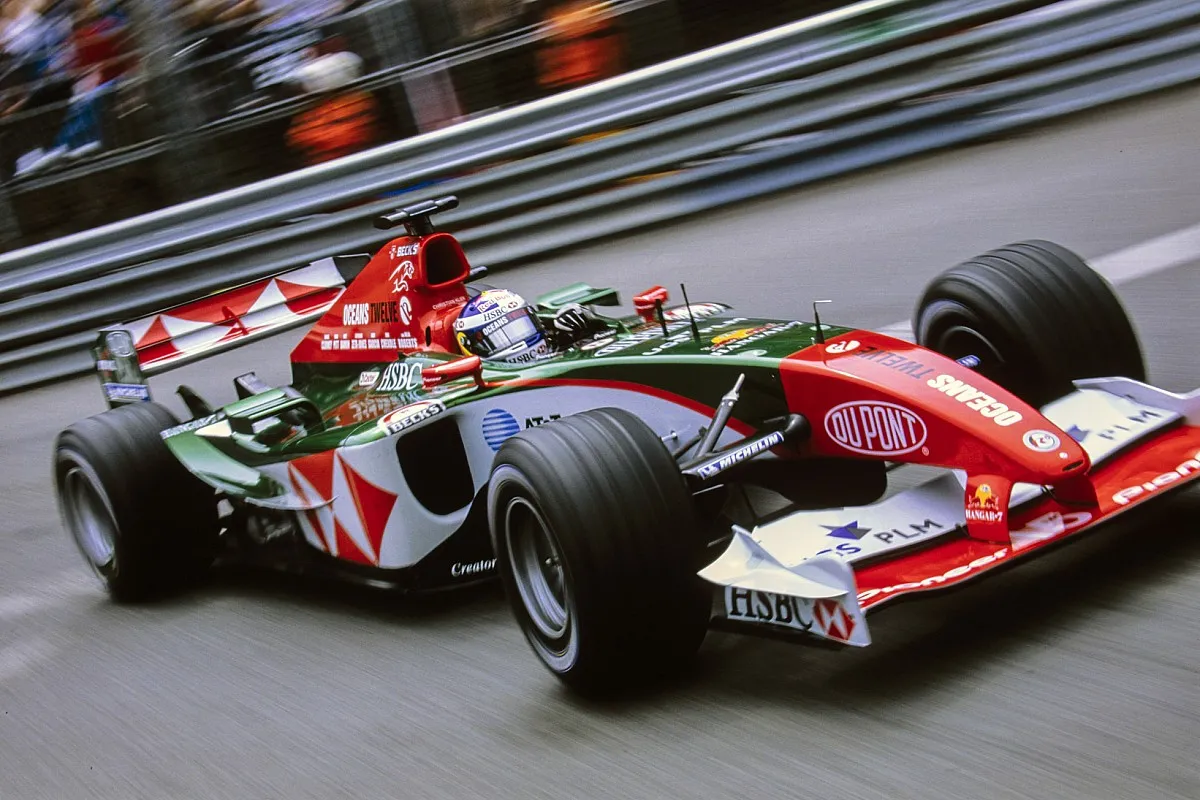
(404,418)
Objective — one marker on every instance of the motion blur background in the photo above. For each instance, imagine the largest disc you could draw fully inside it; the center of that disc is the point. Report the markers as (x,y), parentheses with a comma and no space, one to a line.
(110,108)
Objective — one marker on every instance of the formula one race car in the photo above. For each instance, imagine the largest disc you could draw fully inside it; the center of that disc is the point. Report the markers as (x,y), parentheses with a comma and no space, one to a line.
(666,472)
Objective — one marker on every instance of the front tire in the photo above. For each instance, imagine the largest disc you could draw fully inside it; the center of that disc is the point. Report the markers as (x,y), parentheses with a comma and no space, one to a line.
(143,523)
(1037,316)
(597,546)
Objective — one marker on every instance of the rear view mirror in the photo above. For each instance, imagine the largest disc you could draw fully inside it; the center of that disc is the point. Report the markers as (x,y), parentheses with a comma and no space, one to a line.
(453,370)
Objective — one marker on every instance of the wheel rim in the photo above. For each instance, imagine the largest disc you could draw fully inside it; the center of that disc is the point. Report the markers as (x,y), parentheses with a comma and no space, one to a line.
(89,517)
(538,570)
(958,341)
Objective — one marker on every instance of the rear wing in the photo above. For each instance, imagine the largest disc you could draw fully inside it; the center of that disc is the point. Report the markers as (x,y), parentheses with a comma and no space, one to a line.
(125,355)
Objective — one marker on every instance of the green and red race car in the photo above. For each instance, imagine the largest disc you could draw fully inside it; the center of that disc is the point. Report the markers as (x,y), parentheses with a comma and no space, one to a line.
(652,477)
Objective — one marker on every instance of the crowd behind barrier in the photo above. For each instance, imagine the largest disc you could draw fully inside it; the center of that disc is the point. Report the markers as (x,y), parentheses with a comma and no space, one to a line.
(111,108)
(858,87)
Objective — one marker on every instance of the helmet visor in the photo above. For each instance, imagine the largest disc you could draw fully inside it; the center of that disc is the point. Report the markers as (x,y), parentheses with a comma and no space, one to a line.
(500,334)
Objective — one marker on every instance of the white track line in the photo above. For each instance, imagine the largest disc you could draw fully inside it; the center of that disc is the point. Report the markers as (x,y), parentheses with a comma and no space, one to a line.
(1138,261)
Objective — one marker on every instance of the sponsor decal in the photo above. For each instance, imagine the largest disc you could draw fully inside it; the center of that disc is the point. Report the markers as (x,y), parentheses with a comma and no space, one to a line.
(368,378)
(970,362)
(193,425)
(499,425)
(849,531)
(400,277)
(1187,468)
(458,570)
(739,334)
(737,346)
(1046,527)
(596,344)
(1119,431)
(699,311)
(744,453)
(495,325)
(106,365)
(768,608)
(975,400)
(371,313)
(534,422)
(674,340)
(1040,441)
(935,580)
(827,615)
(492,306)
(539,353)
(403,250)
(126,392)
(343,341)
(879,540)
(832,619)
(875,428)
(842,347)
(984,506)
(404,418)
(634,339)
(916,530)
(402,376)
(894,361)
(372,406)
(405,308)
(677,333)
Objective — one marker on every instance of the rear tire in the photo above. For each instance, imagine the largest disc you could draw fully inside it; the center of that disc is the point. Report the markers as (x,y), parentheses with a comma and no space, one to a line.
(597,546)
(1036,315)
(143,523)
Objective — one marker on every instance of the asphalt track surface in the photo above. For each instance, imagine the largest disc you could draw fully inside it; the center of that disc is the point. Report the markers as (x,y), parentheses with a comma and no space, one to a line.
(1071,677)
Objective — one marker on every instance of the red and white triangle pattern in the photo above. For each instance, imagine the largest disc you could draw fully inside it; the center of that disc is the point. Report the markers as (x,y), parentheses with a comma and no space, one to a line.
(352,526)
(833,620)
(215,322)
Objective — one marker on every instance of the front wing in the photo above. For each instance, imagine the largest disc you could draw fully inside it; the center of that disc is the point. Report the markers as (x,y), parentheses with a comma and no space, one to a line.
(819,572)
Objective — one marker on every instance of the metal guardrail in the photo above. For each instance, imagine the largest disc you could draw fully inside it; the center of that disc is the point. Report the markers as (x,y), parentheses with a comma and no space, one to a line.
(948,74)
(662,89)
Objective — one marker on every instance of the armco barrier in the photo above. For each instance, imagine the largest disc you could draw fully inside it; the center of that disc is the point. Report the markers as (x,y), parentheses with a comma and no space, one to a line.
(573,113)
(911,96)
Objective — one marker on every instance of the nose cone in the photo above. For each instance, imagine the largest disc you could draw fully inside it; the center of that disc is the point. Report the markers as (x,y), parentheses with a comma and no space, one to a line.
(972,423)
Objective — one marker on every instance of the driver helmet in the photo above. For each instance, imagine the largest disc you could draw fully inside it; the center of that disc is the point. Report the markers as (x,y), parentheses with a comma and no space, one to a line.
(498,325)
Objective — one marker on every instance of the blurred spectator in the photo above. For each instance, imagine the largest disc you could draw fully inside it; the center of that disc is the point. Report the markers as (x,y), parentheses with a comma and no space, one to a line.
(338,120)
(583,44)
(99,55)
(284,14)
(35,38)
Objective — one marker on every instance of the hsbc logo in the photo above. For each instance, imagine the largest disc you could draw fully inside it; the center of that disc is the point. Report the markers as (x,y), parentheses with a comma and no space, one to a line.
(875,428)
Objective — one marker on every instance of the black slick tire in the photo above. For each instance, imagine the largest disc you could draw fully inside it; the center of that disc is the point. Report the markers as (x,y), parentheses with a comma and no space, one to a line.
(597,500)
(143,522)
(1037,316)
